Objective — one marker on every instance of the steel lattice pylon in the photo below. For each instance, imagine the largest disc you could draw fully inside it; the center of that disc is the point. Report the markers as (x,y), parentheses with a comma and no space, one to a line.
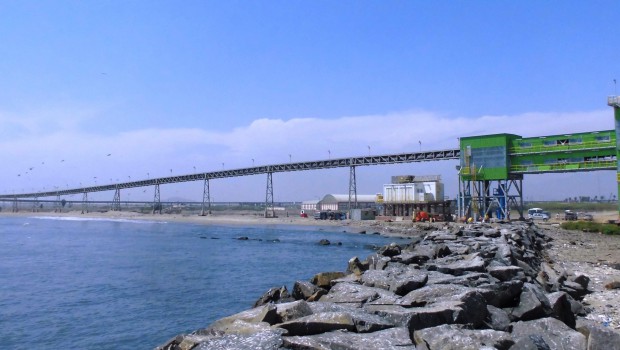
(156,200)
(352,190)
(206,198)
(35,205)
(116,202)
(15,207)
(85,202)
(269,208)
(57,205)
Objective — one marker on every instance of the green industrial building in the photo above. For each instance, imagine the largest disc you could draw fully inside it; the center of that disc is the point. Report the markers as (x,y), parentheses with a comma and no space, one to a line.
(492,166)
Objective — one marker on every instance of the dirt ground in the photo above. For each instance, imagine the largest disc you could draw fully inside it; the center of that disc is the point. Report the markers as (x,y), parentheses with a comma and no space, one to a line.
(596,256)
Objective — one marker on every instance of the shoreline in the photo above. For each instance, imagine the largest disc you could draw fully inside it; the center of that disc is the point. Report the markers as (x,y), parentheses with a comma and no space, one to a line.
(228,219)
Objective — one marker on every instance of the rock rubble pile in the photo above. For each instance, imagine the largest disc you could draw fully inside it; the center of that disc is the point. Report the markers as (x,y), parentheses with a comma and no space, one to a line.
(459,287)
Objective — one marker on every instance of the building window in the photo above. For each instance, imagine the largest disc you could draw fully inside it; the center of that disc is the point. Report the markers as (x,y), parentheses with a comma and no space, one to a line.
(576,141)
(525,144)
(604,138)
(549,143)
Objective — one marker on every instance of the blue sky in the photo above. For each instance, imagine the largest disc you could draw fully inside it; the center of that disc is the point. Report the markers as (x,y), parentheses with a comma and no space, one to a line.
(168,86)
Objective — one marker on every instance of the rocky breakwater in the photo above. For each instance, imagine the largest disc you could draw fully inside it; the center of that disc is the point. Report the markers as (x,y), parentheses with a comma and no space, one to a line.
(459,287)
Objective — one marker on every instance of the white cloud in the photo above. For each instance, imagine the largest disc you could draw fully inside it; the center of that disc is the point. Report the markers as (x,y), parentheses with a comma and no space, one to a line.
(155,151)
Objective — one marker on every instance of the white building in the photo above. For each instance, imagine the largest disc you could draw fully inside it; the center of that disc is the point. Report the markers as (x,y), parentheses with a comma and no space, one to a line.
(341,201)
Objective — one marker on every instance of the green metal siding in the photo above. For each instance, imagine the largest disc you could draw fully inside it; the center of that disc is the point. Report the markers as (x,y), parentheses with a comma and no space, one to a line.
(485,157)
(563,143)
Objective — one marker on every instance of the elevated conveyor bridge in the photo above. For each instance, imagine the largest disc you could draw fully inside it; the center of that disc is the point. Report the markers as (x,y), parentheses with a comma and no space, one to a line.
(263,169)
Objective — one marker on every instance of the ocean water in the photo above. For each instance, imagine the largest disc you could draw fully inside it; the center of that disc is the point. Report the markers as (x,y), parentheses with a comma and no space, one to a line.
(122,284)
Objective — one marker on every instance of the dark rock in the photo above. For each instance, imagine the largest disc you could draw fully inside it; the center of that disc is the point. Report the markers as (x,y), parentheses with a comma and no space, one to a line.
(474,263)
(453,337)
(406,282)
(531,342)
(293,310)
(377,262)
(255,315)
(324,279)
(376,278)
(533,304)
(303,290)
(492,233)
(243,238)
(265,339)
(432,294)
(554,333)
(497,319)
(274,295)
(582,280)
(506,273)
(390,250)
(561,308)
(352,293)
(395,314)
(319,323)
(389,339)
(576,307)
(503,294)
(442,250)
(472,279)
(397,280)
(598,337)
(356,267)
(324,242)
(549,278)
(470,310)
(269,314)
(574,289)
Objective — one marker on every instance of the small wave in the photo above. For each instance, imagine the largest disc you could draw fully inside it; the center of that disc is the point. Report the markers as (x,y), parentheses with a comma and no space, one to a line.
(74,218)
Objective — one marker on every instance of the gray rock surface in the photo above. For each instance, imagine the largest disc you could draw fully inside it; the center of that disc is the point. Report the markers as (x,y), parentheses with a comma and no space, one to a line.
(452,337)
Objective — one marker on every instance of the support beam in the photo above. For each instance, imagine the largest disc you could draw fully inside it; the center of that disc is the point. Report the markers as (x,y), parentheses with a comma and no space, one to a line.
(352,190)
(15,207)
(57,205)
(85,202)
(156,200)
(206,198)
(269,208)
(116,202)
(35,205)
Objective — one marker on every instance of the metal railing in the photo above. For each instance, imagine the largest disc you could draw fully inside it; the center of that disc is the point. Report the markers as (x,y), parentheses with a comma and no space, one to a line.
(564,167)
(584,146)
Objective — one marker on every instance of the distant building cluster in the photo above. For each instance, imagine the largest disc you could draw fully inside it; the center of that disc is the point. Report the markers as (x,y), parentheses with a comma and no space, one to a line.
(404,196)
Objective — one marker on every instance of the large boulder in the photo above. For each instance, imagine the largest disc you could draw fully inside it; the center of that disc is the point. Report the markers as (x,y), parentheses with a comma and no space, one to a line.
(533,304)
(561,308)
(303,290)
(319,323)
(352,293)
(474,263)
(397,280)
(598,337)
(453,337)
(550,331)
(274,295)
(389,339)
(324,279)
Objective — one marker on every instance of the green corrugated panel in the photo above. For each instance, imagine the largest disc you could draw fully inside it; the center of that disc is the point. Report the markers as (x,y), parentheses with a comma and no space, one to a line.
(489,155)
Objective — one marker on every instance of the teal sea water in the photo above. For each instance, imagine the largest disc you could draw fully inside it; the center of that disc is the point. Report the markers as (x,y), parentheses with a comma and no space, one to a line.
(121,284)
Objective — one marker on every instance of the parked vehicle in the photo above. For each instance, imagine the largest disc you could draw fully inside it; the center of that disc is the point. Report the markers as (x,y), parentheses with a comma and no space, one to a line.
(570,215)
(330,215)
(537,214)
(584,216)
